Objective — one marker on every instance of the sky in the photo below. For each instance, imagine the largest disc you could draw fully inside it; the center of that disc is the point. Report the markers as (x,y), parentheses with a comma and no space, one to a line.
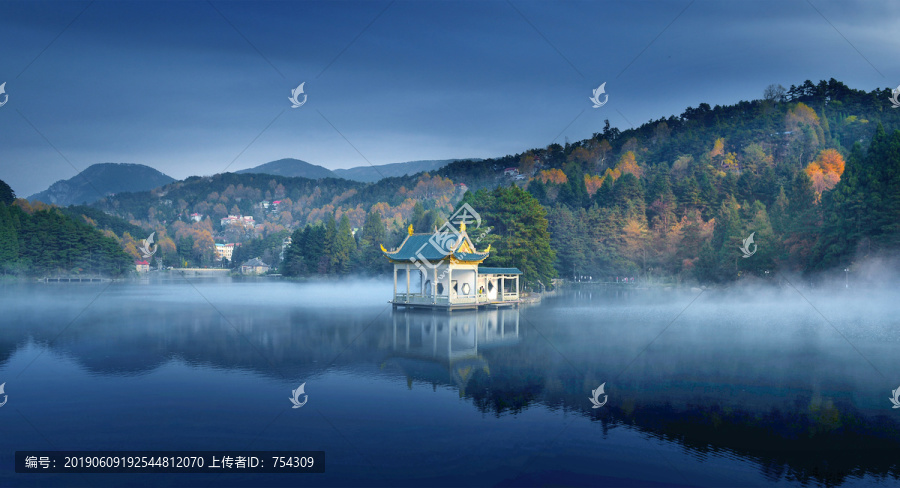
(199,88)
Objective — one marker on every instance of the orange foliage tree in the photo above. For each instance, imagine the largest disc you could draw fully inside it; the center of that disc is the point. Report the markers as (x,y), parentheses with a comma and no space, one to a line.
(801,113)
(628,164)
(593,183)
(825,171)
(554,175)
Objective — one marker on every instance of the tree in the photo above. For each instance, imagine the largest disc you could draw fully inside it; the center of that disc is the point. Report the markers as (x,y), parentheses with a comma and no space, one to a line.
(9,240)
(370,240)
(825,171)
(520,234)
(343,253)
(7,196)
(774,93)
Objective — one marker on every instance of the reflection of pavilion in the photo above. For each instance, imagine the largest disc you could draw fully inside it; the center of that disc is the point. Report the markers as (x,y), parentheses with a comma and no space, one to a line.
(445,348)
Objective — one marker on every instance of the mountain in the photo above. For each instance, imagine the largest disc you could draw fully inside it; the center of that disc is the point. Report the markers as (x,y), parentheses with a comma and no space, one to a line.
(100,180)
(370,174)
(364,174)
(291,167)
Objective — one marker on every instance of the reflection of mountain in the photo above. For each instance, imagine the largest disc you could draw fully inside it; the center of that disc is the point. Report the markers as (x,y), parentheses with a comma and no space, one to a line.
(135,334)
(442,348)
(787,396)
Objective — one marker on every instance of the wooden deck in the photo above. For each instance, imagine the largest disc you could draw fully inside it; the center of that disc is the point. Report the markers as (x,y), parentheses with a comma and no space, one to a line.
(414,300)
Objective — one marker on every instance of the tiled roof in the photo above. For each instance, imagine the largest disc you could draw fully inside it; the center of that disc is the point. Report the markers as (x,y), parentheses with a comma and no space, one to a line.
(418,247)
(255,262)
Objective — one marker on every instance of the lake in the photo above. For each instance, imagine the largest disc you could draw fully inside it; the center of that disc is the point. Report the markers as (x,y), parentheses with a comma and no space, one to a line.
(749,386)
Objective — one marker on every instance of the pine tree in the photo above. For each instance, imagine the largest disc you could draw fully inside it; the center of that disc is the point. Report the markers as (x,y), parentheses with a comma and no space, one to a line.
(519,235)
(9,240)
(371,238)
(7,196)
(343,253)
(327,261)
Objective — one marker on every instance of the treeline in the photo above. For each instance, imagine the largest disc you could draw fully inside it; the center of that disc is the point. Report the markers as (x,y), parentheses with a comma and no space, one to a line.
(513,224)
(43,241)
(677,198)
(332,249)
(809,171)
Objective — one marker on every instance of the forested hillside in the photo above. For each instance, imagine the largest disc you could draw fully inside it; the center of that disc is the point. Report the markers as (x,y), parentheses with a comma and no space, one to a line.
(41,240)
(810,171)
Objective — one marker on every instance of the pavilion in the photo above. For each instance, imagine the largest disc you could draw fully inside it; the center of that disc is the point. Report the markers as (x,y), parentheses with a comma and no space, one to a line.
(442,270)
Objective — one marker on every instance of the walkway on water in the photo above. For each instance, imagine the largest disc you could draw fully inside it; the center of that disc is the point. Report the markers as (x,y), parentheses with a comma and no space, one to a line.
(201,270)
(75,279)
(457,306)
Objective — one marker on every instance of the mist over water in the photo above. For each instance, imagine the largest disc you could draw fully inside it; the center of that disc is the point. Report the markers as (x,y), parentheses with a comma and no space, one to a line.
(761,383)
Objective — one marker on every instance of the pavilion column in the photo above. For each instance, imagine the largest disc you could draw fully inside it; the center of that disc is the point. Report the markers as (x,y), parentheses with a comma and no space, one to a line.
(421,283)
(395,282)
(407,282)
(476,285)
(434,287)
(502,289)
(517,286)
(449,282)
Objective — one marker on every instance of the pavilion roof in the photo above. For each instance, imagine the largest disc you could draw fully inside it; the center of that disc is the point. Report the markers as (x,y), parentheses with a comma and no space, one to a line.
(418,247)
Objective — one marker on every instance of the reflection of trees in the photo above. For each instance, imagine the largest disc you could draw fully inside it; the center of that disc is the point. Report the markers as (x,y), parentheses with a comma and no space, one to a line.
(819,438)
(139,336)
(792,434)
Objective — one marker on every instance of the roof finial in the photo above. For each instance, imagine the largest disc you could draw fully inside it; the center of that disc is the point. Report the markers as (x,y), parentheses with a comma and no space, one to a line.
(462,226)
(410,229)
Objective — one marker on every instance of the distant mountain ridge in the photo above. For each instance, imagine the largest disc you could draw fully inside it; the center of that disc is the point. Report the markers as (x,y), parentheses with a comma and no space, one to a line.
(366,174)
(100,180)
(291,167)
(370,174)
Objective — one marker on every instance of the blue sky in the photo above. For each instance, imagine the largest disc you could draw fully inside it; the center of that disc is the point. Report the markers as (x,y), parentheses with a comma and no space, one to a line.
(195,88)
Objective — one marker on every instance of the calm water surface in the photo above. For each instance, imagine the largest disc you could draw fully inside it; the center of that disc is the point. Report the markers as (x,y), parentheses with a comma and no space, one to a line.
(741,388)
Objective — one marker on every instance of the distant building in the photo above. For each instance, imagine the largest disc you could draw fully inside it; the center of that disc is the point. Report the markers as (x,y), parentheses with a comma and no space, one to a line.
(254,266)
(142,266)
(224,251)
(463,188)
(196,217)
(246,221)
(510,171)
(264,204)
